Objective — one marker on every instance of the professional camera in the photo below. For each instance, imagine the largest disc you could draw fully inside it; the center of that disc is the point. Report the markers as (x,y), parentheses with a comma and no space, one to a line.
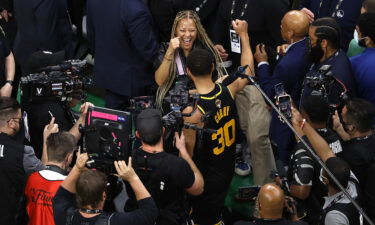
(179,95)
(323,83)
(60,82)
(106,137)
(320,80)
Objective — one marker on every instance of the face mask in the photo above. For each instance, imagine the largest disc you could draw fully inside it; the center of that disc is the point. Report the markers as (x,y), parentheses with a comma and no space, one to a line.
(362,42)
(316,53)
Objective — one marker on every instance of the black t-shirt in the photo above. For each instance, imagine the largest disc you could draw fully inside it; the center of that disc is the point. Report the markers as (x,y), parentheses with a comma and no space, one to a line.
(304,170)
(39,117)
(166,177)
(358,153)
(12,177)
(4,52)
(214,153)
(64,201)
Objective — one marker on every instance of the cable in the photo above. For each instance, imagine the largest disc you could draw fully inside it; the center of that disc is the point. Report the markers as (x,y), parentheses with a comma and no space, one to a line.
(316,157)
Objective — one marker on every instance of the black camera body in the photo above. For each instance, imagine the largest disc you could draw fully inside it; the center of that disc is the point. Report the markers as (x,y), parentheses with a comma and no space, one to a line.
(59,82)
(320,80)
(106,137)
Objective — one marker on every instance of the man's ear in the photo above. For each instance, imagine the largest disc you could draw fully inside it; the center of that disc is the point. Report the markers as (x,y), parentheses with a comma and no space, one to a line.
(104,196)
(212,67)
(69,158)
(137,134)
(324,43)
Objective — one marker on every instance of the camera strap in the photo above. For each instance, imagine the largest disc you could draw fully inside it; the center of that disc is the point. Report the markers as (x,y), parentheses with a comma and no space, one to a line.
(180,67)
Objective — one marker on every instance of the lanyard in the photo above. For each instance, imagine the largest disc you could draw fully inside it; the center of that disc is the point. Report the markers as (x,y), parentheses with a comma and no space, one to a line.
(200,6)
(336,8)
(243,10)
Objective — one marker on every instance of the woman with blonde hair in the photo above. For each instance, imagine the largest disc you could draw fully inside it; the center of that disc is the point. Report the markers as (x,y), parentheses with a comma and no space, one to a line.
(187,34)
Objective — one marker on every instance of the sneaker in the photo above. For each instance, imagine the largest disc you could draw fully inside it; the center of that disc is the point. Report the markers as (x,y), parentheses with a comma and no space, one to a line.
(242,168)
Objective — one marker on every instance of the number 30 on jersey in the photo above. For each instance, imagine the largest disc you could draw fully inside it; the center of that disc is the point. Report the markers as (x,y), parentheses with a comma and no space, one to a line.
(225,136)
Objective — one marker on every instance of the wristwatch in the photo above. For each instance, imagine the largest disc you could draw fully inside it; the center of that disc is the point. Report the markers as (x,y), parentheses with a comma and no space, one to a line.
(10,82)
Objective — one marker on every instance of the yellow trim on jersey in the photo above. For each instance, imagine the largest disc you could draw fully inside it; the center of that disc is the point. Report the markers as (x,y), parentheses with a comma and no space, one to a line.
(200,108)
(213,97)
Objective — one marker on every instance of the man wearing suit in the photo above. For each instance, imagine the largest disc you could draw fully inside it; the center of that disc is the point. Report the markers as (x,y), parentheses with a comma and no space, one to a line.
(345,12)
(289,71)
(124,46)
(42,25)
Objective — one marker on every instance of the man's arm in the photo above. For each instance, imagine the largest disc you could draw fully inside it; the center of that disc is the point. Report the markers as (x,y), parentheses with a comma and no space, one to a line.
(138,21)
(319,145)
(70,181)
(198,185)
(190,134)
(81,121)
(241,28)
(30,162)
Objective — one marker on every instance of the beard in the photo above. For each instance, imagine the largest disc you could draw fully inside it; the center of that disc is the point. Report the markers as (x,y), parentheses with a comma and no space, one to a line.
(316,53)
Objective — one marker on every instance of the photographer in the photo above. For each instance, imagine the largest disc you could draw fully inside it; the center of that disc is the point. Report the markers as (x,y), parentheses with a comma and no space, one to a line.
(304,171)
(41,186)
(337,208)
(325,36)
(271,204)
(356,129)
(165,175)
(213,153)
(88,187)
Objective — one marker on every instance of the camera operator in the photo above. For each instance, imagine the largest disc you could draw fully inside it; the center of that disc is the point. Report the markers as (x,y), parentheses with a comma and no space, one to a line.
(271,204)
(41,186)
(337,208)
(304,171)
(356,129)
(325,36)
(88,187)
(165,175)
(214,153)
(16,160)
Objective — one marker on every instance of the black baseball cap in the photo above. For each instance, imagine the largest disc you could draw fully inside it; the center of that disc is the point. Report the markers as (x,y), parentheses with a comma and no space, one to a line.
(149,125)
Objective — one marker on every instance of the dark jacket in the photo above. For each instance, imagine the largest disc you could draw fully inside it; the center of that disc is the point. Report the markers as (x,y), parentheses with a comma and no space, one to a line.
(42,25)
(290,71)
(123,43)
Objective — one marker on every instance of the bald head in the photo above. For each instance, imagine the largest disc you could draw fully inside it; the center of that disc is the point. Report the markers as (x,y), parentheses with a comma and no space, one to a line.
(271,201)
(294,26)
